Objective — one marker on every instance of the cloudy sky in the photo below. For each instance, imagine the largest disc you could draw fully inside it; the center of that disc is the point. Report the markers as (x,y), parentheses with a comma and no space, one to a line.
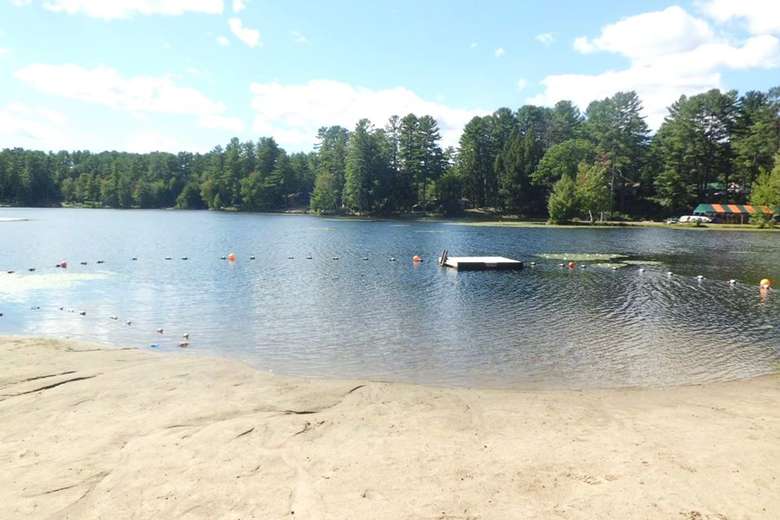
(143,75)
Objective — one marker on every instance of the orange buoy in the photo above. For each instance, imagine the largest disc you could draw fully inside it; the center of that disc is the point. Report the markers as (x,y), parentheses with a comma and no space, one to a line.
(416,259)
(572,265)
(766,283)
(231,257)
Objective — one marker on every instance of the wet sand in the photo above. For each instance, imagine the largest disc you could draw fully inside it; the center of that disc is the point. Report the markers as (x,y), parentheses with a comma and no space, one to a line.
(88,432)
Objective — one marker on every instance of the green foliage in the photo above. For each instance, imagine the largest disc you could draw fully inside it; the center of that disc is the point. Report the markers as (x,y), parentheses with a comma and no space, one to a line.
(712,147)
(592,189)
(563,159)
(562,205)
(766,192)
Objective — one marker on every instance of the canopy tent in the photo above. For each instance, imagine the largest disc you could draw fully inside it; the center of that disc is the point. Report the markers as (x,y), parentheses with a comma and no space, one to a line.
(731,209)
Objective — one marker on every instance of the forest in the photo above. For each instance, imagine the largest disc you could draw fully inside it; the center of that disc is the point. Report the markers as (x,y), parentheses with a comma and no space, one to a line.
(537,162)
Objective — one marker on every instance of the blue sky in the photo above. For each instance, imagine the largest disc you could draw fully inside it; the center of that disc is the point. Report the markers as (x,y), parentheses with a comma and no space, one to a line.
(189,74)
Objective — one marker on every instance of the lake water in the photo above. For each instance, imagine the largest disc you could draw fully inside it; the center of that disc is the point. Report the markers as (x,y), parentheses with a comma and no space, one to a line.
(365,316)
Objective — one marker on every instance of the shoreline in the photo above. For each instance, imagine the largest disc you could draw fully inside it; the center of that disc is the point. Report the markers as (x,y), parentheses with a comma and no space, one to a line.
(94,432)
(454,220)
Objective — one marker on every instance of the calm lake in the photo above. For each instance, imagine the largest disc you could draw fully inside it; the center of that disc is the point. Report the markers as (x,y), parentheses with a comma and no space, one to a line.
(365,316)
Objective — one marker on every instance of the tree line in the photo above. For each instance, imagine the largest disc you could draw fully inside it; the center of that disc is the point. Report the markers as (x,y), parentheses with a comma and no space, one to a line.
(554,162)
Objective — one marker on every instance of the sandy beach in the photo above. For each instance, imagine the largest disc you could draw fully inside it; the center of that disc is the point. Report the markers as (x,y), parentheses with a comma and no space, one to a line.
(89,432)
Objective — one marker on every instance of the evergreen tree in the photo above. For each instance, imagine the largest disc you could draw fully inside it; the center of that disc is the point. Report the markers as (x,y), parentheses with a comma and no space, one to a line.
(562,205)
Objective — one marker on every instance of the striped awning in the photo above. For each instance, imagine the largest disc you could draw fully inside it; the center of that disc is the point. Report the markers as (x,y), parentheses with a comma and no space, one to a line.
(736,209)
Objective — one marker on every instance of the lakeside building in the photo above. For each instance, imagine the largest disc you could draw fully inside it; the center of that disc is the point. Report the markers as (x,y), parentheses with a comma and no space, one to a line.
(732,213)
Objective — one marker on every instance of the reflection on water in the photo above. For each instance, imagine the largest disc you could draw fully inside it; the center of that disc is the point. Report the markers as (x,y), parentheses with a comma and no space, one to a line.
(364,315)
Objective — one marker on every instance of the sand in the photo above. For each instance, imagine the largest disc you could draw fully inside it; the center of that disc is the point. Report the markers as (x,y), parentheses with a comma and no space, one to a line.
(88,432)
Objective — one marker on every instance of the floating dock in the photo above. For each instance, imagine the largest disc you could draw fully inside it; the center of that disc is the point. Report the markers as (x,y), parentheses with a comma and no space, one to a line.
(479,263)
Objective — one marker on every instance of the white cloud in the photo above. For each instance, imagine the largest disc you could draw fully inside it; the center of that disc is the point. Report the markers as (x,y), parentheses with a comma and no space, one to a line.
(114,9)
(138,94)
(29,127)
(473,45)
(223,41)
(239,5)
(521,84)
(500,52)
(545,39)
(20,3)
(293,113)
(3,52)
(299,38)
(650,34)
(670,53)
(250,37)
(762,16)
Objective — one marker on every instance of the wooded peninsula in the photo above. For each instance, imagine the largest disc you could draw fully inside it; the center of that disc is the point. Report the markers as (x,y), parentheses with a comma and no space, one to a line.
(536,162)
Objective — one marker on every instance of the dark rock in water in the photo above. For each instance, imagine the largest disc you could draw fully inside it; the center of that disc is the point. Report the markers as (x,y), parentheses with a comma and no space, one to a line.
(168,258)
(11,272)
(252,257)
(184,258)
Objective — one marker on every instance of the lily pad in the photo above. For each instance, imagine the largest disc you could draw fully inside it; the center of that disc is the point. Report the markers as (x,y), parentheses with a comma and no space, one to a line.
(642,262)
(610,265)
(582,257)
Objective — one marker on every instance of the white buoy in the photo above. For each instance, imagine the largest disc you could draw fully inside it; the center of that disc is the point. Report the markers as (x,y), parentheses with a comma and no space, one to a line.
(700,278)
(732,282)
(641,270)
(186,335)
(668,273)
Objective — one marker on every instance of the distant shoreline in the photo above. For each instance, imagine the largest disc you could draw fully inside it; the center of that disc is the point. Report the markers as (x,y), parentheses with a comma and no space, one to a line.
(475,221)
(154,435)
